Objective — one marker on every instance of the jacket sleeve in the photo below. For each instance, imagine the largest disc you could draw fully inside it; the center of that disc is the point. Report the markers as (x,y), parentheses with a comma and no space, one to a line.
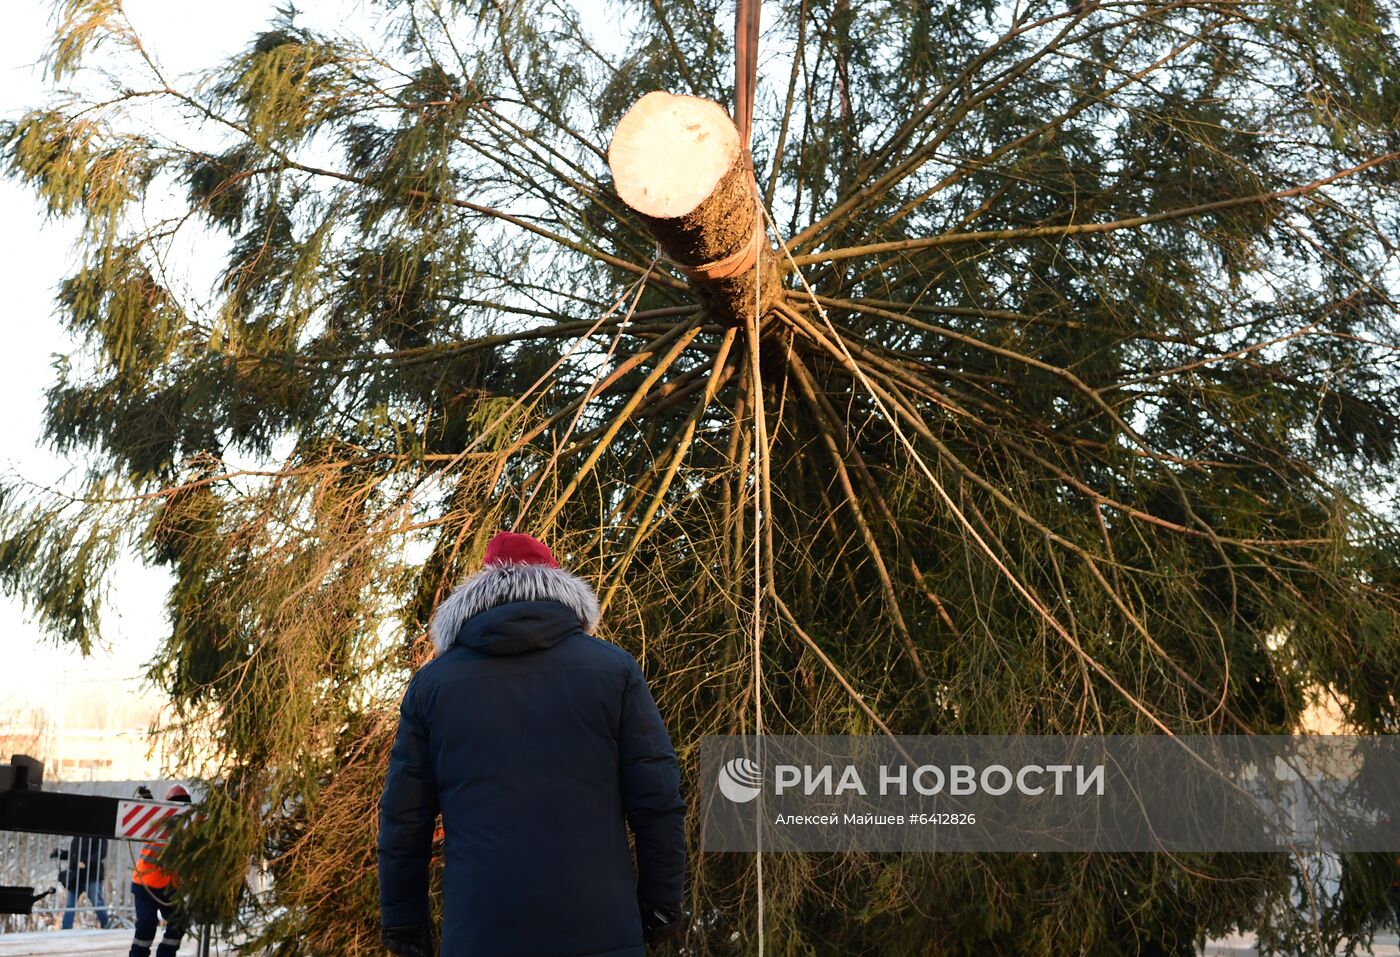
(408,811)
(651,795)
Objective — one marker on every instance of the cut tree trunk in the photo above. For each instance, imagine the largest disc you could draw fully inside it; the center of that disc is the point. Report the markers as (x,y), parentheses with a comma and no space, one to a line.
(678,163)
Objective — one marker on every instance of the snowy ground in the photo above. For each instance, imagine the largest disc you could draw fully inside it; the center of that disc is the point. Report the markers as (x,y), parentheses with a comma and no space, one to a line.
(83,943)
(1385,945)
(115,943)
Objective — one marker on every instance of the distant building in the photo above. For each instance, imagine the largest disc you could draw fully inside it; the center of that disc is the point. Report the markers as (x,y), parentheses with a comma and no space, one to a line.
(85,731)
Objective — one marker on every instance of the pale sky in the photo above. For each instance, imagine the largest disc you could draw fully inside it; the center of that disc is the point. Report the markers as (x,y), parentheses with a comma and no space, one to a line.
(37,255)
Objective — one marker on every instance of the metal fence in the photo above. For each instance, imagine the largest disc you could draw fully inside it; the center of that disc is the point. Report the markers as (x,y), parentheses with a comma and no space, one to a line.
(30,860)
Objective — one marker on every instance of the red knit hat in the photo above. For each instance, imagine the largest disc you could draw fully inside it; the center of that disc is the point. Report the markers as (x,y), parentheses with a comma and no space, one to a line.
(514,548)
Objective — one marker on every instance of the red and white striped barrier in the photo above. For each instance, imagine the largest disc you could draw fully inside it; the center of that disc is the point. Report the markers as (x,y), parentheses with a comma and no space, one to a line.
(146,820)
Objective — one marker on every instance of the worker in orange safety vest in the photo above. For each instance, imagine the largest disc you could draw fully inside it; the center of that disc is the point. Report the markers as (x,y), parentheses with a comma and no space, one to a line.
(153,893)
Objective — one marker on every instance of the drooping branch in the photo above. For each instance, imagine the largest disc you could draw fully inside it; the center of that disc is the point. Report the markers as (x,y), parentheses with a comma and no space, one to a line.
(1076,229)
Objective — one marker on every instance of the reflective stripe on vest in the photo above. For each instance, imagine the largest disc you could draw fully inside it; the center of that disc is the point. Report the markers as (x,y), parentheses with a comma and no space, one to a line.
(148,872)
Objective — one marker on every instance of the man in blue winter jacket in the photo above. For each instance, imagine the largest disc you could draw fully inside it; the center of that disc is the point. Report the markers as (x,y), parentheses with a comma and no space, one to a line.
(535,741)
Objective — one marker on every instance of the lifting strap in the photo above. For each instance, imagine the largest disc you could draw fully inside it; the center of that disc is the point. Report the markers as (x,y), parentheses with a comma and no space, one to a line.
(746,22)
(746,32)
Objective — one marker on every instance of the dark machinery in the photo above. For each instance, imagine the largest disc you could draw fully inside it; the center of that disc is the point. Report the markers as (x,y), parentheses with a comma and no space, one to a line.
(20,900)
(26,806)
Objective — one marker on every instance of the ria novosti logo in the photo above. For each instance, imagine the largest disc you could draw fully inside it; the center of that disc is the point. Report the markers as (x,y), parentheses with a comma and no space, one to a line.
(740,780)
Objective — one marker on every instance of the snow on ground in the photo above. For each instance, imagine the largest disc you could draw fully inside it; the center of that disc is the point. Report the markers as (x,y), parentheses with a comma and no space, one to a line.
(116,943)
(82,943)
(1241,945)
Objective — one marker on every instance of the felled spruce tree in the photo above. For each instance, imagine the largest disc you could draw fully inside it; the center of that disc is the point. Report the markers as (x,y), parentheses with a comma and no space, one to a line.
(1121,276)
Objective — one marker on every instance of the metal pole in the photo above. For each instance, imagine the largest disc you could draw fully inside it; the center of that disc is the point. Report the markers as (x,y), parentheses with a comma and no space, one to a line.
(204,937)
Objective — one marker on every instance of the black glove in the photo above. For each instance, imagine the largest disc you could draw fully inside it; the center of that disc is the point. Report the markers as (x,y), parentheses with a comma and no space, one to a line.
(661,921)
(415,940)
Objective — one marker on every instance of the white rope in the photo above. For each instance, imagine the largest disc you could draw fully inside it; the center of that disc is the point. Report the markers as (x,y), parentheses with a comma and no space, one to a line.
(759,517)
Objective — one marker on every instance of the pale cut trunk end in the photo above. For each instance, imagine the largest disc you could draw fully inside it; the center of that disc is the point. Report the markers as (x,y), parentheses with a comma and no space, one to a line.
(677,162)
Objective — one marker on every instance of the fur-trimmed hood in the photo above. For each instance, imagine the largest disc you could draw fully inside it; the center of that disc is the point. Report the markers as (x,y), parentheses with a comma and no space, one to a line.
(505,583)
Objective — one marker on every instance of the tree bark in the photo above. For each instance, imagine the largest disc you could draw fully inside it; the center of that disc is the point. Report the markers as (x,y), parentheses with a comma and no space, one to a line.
(677,162)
